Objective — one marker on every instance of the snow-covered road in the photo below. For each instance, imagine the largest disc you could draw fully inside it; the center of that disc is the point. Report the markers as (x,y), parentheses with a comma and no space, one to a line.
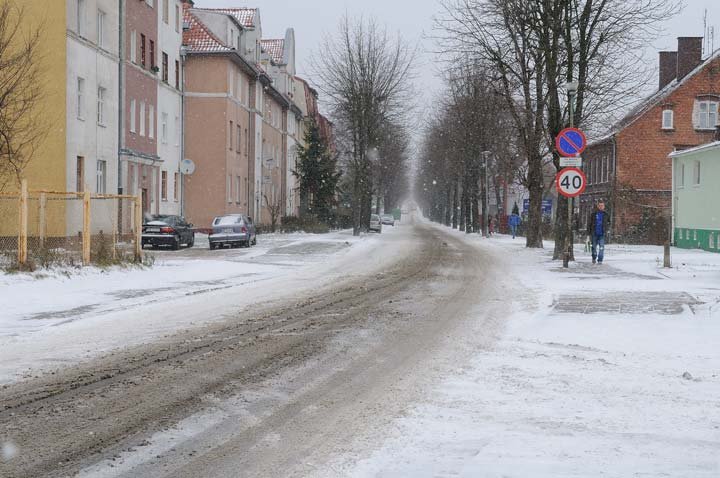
(609,370)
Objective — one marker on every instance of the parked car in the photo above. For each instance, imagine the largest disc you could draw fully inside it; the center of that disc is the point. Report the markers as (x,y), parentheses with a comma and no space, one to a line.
(233,230)
(375,223)
(388,219)
(166,230)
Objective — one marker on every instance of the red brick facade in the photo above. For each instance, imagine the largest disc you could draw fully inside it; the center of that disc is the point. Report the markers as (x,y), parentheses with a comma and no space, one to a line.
(630,169)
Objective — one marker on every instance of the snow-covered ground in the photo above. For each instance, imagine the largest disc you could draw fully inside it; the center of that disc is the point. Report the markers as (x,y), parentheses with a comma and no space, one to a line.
(54,318)
(610,370)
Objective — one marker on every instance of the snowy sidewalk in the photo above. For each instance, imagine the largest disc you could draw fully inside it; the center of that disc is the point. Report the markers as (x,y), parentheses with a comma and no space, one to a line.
(609,370)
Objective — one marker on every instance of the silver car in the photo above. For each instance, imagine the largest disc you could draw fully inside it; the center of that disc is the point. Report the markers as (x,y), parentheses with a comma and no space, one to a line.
(233,230)
(388,219)
(375,223)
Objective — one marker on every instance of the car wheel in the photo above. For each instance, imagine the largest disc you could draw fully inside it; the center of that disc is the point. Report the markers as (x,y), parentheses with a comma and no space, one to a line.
(246,244)
(176,244)
(212,246)
(254,241)
(192,241)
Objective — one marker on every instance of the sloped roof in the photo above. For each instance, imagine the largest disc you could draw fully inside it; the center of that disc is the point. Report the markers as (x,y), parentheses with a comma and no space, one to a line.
(702,147)
(244,16)
(275,48)
(199,38)
(654,99)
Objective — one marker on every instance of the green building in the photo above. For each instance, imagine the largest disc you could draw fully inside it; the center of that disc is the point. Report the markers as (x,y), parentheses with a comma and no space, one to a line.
(696,194)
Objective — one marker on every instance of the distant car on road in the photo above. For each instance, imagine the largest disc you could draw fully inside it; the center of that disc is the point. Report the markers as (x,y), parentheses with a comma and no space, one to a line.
(375,223)
(167,230)
(388,219)
(233,230)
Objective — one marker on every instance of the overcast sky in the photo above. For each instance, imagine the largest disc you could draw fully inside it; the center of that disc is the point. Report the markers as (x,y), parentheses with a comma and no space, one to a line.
(413,19)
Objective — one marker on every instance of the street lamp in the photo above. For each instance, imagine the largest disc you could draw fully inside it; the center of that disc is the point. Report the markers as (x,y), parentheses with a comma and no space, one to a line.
(571,87)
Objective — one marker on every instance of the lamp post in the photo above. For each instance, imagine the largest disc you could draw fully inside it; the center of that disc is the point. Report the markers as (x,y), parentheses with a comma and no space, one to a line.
(571,88)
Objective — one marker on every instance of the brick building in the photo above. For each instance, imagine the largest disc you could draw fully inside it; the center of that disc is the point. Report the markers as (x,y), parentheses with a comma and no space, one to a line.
(630,169)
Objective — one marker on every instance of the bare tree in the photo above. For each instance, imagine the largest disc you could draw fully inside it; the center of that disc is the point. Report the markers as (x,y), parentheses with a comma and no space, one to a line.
(364,75)
(21,118)
(275,208)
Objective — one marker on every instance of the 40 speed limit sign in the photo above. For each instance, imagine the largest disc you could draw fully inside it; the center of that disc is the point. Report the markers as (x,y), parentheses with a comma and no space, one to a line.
(571,182)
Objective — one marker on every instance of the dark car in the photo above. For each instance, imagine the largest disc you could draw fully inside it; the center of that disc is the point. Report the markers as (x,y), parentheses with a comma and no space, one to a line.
(166,230)
(233,230)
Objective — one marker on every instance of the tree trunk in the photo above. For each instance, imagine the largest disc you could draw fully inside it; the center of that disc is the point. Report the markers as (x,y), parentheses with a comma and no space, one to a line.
(463,203)
(484,194)
(535,188)
(455,205)
(448,204)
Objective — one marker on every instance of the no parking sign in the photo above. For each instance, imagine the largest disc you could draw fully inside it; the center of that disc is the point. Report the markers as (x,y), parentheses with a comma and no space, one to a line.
(571,182)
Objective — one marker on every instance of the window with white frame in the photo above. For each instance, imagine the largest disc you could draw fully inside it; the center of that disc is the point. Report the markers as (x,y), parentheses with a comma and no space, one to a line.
(133,46)
(142,118)
(177,19)
(177,131)
(163,185)
(81,98)
(237,189)
(166,11)
(164,128)
(151,121)
(681,176)
(101,28)
(707,115)
(696,173)
(228,188)
(100,176)
(133,116)
(101,105)
(667,119)
(80,17)
(176,187)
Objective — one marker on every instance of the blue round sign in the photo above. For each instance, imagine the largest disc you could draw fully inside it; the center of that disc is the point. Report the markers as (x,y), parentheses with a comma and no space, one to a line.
(570,142)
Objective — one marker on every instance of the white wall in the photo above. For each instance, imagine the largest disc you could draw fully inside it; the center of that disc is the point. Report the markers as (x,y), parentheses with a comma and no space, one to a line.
(170,103)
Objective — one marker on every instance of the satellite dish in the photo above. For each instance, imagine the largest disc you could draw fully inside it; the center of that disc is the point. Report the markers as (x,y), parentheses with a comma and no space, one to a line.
(187,166)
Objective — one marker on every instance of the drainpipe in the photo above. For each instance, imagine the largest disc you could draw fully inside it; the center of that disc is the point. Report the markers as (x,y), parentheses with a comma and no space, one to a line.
(613,213)
(121,92)
(183,57)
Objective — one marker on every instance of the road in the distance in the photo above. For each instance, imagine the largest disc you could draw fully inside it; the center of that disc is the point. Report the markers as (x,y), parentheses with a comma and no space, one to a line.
(276,394)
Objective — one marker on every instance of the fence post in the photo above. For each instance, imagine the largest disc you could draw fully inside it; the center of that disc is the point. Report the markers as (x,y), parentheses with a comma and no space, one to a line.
(138,228)
(23,223)
(42,226)
(86,228)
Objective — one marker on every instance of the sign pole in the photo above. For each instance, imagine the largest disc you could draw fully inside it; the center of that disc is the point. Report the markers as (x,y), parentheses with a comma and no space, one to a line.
(570,205)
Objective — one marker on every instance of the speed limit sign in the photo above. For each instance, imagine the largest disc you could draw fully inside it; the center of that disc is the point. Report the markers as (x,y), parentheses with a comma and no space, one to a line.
(571,182)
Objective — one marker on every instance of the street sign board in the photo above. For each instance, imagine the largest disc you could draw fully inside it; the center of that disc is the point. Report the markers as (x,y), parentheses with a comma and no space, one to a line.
(570,182)
(571,162)
(546,206)
(570,142)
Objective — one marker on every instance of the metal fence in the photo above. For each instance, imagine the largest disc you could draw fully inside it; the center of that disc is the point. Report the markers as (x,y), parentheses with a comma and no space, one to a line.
(43,228)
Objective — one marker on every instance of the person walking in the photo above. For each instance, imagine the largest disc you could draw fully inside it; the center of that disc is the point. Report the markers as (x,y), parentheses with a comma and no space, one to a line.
(514,222)
(597,228)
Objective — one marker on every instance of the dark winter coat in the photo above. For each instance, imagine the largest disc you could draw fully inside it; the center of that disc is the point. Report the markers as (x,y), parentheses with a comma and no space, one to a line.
(605,222)
(514,220)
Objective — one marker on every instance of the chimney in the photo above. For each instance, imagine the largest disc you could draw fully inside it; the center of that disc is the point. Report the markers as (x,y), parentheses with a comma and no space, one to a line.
(689,55)
(668,67)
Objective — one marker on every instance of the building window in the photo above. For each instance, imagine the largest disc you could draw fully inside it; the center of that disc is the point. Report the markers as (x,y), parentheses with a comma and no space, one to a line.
(101,105)
(707,114)
(239,139)
(100,175)
(681,176)
(165,75)
(163,185)
(696,173)
(177,131)
(228,187)
(166,11)
(151,121)
(152,55)
(177,74)
(81,98)
(176,187)
(132,116)
(133,46)
(142,118)
(247,142)
(101,28)
(164,128)
(142,50)
(80,174)
(667,119)
(80,17)
(237,189)
(231,131)
(177,19)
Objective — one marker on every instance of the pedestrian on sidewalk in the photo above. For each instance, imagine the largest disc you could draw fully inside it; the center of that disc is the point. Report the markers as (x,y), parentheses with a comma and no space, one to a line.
(597,228)
(514,222)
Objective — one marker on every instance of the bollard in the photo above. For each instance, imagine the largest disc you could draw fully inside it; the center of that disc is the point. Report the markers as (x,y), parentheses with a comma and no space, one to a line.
(666,255)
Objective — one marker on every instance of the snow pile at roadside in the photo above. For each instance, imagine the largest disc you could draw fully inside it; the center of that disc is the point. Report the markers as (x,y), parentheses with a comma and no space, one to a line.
(609,370)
